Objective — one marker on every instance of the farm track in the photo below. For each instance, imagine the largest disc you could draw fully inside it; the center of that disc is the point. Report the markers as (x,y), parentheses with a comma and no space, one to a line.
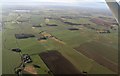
(58,40)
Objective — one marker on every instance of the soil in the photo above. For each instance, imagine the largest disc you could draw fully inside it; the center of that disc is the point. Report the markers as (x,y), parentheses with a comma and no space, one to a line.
(98,58)
(57,63)
(30,70)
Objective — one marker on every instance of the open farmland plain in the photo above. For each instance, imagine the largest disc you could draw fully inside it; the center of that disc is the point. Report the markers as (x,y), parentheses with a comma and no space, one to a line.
(60,41)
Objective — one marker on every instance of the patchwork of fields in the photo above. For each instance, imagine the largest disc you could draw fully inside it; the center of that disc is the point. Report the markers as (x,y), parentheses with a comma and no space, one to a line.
(55,48)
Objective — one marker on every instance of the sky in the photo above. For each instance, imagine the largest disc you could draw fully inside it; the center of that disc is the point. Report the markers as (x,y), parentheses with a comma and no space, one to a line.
(51,1)
(63,1)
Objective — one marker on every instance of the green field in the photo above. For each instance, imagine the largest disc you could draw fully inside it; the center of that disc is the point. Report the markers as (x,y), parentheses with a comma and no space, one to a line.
(104,44)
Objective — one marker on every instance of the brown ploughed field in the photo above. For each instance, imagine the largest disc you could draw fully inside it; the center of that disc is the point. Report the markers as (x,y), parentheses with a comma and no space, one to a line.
(57,63)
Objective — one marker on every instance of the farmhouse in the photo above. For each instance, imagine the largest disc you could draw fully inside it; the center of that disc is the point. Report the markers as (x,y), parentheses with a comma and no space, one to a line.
(26,58)
(23,36)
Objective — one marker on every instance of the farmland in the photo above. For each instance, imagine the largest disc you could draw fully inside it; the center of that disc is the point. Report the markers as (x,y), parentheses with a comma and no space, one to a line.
(57,39)
(54,60)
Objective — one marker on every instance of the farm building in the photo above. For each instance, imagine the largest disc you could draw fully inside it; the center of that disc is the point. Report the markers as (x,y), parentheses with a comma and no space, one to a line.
(23,36)
(26,58)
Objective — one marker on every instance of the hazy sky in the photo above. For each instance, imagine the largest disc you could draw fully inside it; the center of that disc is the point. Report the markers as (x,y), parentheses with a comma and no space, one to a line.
(65,1)
(51,1)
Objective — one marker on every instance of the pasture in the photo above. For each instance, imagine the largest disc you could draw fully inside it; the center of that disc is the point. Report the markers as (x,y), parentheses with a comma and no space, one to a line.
(79,48)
